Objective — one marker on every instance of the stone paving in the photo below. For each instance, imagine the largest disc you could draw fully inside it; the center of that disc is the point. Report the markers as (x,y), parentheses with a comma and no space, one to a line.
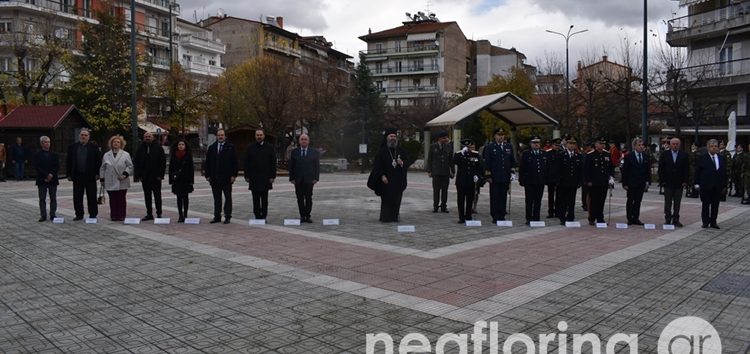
(215,288)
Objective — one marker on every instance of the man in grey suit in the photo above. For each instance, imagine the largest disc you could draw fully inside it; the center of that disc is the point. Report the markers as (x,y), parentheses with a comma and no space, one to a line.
(304,173)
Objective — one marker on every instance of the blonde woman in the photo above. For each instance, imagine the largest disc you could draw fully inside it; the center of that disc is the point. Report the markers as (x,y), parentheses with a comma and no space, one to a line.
(115,175)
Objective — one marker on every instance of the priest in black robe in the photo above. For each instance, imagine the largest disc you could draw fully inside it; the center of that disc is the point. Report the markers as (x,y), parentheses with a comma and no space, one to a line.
(388,178)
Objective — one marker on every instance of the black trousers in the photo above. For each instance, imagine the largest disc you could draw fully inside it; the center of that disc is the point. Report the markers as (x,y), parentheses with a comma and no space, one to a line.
(566,203)
(390,203)
(672,199)
(152,188)
(260,203)
(440,191)
(45,189)
(585,190)
(633,203)
(598,195)
(182,204)
(89,187)
(551,194)
(710,198)
(218,189)
(534,194)
(498,200)
(304,193)
(465,195)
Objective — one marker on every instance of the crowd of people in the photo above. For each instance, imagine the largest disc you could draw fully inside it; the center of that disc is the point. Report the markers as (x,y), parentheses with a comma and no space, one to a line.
(561,166)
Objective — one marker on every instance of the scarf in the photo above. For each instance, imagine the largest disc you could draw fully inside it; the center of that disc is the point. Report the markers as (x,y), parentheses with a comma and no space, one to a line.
(180,154)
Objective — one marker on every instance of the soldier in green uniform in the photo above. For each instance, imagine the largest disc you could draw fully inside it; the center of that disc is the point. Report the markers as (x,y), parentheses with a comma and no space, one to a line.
(738,161)
(599,177)
(692,158)
(745,175)
(440,169)
(728,158)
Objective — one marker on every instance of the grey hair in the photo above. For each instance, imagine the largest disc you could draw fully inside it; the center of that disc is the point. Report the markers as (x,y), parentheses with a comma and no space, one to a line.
(43,138)
(712,141)
(636,141)
(87,130)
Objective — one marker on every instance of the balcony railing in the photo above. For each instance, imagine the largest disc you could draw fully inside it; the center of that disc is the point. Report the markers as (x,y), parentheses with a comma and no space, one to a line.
(731,16)
(148,30)
(283,48)
(164,4)
(202,68)
(51,5)
(405,69)
(732,72)
(402,50)
(409,89)
(159,61)
(191,40)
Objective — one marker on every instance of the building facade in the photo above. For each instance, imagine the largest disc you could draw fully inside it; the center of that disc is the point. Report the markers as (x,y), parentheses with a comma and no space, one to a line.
(488,61)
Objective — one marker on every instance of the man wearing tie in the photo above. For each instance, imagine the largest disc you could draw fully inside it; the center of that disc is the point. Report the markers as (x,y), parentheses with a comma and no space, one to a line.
(260,172)
(710,181)
(499,161)
(221,171)
(532,174)
(570,174)
(636,177)
(674,173)
(304,173)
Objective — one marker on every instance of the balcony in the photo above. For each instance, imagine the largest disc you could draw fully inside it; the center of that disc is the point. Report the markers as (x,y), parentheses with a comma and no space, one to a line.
(189,40)
(406,70)
(722,74)
(410,91)
(162,5)
(160,63)
(202,68)
(284,49)
(149,31)
(62,8)
(715,23)
(412,50)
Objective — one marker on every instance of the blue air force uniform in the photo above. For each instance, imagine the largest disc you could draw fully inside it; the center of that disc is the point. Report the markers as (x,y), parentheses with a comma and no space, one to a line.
(597,174)
(569,179)
(469,171)
(532,175)
(499,161)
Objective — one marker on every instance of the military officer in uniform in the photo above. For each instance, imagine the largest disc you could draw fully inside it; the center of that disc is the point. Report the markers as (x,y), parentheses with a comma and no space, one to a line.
(728,158)
(598,176)
(499,160)
(569,172)
(738,161)
(467,176)
(553,155)
(441,169)
(692,158)
(532,174)
(745,176)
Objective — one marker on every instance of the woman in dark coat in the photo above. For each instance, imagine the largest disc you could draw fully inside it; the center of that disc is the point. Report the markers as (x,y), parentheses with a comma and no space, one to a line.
(181,176)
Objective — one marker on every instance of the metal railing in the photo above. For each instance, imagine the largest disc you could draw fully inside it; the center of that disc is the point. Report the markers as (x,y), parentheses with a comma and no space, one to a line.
(408,89)
(283,48)
(408,49)
(148,30)
(202,68)
(61,6)
(189,39)
(404,69)
(164,4)
(740,10)
(718,70)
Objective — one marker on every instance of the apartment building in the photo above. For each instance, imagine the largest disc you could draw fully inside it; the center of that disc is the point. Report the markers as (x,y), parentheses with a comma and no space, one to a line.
(488,61)
(717,39)
(418,62)
(198,52)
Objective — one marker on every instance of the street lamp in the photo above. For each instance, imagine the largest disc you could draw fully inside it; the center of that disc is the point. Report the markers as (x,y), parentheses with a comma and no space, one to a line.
(567,66)
(133,77)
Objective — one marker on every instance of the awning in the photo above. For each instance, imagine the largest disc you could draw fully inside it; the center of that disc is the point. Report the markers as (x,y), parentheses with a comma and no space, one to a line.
(505,106)
(690,2)
(421,37)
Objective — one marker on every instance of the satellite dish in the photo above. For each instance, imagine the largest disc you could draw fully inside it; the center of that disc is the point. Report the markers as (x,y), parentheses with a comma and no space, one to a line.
(221,13)
(61,33)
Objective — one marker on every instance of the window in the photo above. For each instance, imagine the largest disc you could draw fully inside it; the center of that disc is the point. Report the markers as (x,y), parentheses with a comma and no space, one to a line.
(5,64)
(378,48)
(398,66)
(433,82)
(378,68)
(725,59)
(6,27)
(31,64)
(397,85)
(416,83)
(379,85)
(398,46)
(28,27)
(212,62)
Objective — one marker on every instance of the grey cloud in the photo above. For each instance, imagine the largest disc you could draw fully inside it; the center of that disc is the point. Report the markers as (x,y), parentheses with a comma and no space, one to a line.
(306,14)
(613,13)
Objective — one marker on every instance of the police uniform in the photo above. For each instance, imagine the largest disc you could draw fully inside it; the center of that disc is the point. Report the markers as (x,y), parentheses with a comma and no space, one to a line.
(499,162)
(468,172)
(441,170)
(597,175)
(569,172)
(532,175)
(553,165)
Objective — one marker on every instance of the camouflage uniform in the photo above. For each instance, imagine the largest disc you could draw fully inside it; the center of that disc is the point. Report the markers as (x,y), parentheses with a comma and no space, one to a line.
(728,158)
(738,162)
(745,174)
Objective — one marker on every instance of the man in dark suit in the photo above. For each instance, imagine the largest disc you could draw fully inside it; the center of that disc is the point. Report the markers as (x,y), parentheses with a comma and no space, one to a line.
(82,167)
(553,165)
(598,176)
(711,182)
(304,172)
(221,171)
(150,163)
(46,163)
(570,178)
(260,172)
(532,174)
(636,177)
(674,173)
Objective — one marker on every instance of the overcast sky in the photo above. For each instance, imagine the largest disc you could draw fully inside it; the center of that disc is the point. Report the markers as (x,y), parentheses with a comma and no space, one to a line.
(508,23)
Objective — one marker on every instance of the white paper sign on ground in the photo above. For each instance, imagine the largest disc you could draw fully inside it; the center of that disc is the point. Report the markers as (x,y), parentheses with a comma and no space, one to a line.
(132,221)
(257,221)
(91,220)
(192,221)
(505,223)
(58,220)
(331,222)
(621,226)
(572,224)
(649,226)
(292,222)
(537,224)
(406,228)
(667,227)
(601,225)
(474,223)
(161,221)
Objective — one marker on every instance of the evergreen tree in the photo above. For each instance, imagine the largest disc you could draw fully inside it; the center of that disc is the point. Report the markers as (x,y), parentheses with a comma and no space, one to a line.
(369,104)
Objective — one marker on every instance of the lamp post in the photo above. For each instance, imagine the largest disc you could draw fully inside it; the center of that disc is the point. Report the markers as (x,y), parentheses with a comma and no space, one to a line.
(134,86)
(567,66)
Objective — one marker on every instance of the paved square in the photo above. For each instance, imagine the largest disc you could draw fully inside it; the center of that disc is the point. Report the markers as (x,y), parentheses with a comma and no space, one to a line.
(314,288)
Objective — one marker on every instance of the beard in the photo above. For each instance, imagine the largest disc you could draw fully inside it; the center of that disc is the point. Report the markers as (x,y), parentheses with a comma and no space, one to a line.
(392,144)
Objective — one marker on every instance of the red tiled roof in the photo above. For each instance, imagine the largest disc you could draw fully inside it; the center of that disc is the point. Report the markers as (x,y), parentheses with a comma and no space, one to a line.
(36,116)
(408,28)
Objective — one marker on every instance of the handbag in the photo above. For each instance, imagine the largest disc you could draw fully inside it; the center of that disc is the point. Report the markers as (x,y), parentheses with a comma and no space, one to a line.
(101,198)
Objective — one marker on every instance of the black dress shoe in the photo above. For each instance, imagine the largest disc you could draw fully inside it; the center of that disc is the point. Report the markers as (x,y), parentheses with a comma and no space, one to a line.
(214,221)
(461,221)
(677,224)
(637,222)
(180,219)
(78,218)
(307,220)
(705,226)
(434,210)
(714,226)
(227,220)
(147,218)
(443,210)
(42,219)
(562,223)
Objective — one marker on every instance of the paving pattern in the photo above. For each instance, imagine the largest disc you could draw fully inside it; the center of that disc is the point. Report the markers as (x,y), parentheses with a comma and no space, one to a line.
(112,288)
